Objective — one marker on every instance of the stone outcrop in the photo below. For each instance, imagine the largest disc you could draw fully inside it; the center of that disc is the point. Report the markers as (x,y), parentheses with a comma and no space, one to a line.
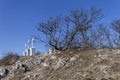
(61,63)
(101,64)
(3,72)
(19,69)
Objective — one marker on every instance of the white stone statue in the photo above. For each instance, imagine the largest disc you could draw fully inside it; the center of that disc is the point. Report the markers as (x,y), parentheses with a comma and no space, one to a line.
(25,53)
(50,51)
(29,47)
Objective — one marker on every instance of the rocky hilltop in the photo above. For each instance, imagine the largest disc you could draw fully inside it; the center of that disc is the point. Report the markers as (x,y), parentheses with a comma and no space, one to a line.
(98,64)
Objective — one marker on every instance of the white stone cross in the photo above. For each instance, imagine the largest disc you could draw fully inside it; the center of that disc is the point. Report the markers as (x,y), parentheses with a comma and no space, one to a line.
(28,44)
(25,46)
(33,40)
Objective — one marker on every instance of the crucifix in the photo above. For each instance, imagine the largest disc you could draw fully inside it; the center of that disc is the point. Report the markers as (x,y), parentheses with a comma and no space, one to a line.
(33,40)
(28,44)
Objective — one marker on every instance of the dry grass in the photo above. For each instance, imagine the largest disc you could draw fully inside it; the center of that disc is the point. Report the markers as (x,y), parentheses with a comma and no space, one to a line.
(9,59)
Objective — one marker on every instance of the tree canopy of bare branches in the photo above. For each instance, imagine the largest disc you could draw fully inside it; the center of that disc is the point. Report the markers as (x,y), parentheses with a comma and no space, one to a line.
(69,31)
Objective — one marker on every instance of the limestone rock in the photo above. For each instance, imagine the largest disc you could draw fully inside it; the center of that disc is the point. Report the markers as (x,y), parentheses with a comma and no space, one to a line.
(3,72)
(61,62)
(73,58)
(45,64)
(53,57)
(19,69)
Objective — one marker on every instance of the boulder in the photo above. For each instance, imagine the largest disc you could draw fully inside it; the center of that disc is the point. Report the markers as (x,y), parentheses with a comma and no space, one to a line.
(73,58)
(45,64)
(3,72)
(19,69)
(61,63)
(53,57)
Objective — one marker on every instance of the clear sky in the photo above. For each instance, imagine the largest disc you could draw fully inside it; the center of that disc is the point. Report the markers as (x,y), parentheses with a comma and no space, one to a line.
(18,18)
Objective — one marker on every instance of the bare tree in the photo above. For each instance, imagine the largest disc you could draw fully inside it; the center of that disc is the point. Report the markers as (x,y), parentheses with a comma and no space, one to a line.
(70,31)
(51,30)
(115,25)
(96,37)
(81,21)
(105,39)
(108,36)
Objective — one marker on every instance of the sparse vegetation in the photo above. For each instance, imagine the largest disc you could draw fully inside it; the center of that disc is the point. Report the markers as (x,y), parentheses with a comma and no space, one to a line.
(9,59)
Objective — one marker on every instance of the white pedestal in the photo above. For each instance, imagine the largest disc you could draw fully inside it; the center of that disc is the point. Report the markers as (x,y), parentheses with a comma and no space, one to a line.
(32,51)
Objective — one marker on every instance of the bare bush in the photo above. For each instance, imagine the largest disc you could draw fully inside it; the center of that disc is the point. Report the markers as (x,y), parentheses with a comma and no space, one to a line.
(9,59)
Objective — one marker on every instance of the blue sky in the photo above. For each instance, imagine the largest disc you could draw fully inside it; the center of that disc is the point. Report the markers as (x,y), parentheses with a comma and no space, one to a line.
(18,18)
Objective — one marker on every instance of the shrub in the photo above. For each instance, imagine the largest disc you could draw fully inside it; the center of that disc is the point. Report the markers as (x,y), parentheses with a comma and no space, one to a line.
(9,59)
